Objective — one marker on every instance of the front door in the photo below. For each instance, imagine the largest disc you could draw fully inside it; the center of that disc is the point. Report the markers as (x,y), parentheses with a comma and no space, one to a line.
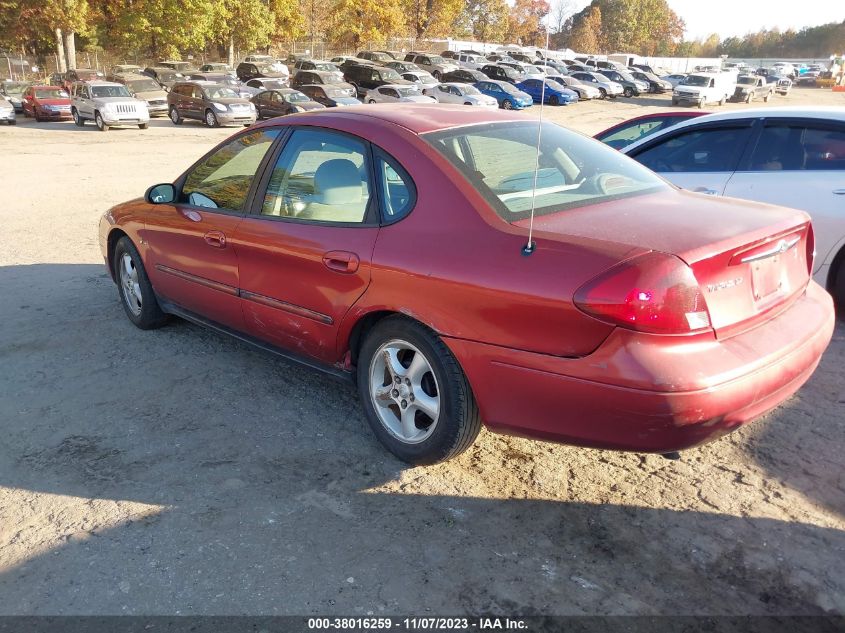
(192,251)
(304,255)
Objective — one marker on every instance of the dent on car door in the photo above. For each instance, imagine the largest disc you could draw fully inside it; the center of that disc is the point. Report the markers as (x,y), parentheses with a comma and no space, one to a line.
(304,254)
(192,254)
(699,159)
(800,164)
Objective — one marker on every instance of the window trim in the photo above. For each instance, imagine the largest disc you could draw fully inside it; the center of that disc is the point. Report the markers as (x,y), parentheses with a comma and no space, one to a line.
(179,183)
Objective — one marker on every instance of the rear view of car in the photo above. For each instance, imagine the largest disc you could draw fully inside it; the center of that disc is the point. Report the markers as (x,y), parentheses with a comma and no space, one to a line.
(7,111)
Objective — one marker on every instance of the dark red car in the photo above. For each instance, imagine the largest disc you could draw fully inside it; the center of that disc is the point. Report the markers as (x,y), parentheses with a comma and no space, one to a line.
(46,103)
(624,133)
(643,318)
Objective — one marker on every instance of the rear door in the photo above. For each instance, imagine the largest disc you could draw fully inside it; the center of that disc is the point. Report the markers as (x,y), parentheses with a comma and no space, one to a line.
(800,163)
(305,251)
(699,158)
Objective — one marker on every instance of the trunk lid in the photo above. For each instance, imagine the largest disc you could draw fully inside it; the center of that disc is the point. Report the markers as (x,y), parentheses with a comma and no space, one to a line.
(750,259)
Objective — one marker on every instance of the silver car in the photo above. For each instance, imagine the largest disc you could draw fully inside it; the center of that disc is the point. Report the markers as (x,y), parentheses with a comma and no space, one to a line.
(432,63)
(148,90)
(7,111)
(108,104)
(605,86)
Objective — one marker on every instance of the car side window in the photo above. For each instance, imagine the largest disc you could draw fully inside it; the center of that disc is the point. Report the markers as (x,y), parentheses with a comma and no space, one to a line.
(783,147)
(397,189)
(320,176)
(697,150)
(222,180)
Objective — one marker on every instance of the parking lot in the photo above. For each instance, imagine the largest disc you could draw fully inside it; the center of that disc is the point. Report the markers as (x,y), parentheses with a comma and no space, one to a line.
(181,472)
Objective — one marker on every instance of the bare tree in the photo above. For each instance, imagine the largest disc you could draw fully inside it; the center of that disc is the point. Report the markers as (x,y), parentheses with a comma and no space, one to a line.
(561,11)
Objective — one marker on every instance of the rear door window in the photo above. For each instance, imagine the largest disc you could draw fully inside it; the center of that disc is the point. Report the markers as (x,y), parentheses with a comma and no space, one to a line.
(799,147)
(697,150)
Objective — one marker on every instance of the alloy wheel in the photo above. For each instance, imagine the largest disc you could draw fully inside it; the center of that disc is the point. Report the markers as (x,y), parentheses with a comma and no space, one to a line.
(129,284)
(404,391)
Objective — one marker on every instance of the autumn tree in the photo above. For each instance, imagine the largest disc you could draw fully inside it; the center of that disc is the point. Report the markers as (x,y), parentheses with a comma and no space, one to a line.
(245,23)
(431,18)
(354,22)
(586,35)
(485,20)
(525,22)
(289,17)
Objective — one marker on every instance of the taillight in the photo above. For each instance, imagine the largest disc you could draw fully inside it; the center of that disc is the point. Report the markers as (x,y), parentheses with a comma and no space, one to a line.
(655,293)
(811,249)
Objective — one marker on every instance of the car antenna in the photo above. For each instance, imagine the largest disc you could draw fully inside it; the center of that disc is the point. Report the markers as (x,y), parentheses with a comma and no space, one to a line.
(530,245)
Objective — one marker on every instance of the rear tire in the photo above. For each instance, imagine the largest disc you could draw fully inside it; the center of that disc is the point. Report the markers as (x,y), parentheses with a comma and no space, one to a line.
(371,101)
(143,126)
(78,120)
(767,97)
(674,101)
(628,92)
(134,287)
(838,290)
(438,379)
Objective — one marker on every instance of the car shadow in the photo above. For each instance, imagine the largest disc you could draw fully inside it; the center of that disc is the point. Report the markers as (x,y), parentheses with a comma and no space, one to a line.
(181,472)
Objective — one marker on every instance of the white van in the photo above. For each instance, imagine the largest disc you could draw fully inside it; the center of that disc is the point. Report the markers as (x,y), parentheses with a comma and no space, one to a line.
(703,88)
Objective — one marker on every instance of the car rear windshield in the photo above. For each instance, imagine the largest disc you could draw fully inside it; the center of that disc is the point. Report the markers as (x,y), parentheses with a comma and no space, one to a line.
(499,160)
(220,92)
(143,85)
(51,93)
(293,97)
(109,91)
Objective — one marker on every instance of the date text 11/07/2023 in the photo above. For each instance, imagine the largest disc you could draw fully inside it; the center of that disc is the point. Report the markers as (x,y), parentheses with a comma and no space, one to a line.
(417,624)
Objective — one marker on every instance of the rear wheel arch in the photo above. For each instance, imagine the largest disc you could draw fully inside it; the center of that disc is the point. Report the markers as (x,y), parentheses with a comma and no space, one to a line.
(361,328)
(835,282)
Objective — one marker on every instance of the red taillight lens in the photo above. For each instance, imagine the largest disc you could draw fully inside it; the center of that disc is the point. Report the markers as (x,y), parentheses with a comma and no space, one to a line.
(655,293)
(811,249)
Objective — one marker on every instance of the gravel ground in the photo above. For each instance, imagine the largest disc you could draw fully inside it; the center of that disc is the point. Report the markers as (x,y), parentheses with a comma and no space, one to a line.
(180,472)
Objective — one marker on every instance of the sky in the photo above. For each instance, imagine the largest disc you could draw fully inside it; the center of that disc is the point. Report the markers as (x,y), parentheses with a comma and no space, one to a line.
(738,17)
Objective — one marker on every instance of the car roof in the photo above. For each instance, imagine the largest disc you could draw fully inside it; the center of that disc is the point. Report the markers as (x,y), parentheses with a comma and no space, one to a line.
(98,82)
(804,112)
(419,119)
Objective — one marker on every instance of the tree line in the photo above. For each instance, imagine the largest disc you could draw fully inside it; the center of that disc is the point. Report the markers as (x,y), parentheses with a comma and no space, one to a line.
(172,28)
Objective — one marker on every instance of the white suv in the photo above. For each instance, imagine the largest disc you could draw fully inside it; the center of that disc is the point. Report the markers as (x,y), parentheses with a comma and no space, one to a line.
(108,105)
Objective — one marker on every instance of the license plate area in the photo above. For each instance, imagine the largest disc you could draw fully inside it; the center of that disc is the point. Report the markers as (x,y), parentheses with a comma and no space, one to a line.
(767,279)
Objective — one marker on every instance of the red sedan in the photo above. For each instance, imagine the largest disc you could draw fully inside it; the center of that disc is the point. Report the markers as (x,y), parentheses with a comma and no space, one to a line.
(387,245)
(46,103)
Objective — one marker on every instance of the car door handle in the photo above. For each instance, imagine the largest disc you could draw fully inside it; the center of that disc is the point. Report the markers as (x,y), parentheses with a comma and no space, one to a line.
(839,192)
(706,191)
(215,239)
(341,261)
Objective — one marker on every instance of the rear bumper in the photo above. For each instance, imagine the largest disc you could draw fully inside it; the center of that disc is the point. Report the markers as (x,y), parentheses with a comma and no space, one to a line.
(651,394)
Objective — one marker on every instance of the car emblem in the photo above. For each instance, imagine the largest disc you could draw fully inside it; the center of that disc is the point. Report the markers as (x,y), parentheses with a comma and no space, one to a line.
(723,285)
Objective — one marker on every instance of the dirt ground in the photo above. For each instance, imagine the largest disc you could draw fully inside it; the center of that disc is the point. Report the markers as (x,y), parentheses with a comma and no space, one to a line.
(181,472)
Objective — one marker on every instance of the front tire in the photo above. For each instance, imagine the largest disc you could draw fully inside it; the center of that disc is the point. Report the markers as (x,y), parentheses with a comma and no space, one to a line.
(211,119)
(415,395)
(602,93)
(628,92)
(175,117)
(136,292)
(101,124)
(143,126)
(507,104)
(553,100)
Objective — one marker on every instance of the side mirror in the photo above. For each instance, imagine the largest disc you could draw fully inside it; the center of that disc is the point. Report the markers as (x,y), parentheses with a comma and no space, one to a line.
(160,194)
